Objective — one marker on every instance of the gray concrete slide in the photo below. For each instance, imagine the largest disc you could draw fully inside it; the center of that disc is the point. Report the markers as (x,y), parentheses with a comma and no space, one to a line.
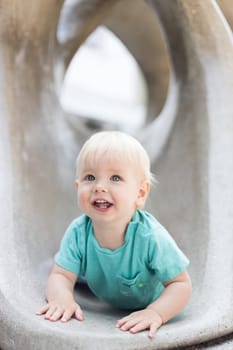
(188,134)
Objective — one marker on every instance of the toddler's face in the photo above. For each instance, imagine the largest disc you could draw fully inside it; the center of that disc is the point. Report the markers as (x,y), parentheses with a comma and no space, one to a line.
(111,191)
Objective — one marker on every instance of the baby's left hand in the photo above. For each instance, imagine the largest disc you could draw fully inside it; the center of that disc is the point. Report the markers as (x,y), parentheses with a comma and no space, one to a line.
(141,320)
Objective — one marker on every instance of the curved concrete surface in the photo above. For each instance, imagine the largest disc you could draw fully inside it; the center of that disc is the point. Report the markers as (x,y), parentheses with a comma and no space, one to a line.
(150,54)
(190,145)
(227,10)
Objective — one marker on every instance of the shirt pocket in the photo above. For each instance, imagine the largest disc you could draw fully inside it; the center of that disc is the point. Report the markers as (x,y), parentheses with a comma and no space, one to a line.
(140,289)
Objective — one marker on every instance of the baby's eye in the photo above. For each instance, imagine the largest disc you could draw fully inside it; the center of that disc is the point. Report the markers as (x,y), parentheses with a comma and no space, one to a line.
(89,177)
(115,178)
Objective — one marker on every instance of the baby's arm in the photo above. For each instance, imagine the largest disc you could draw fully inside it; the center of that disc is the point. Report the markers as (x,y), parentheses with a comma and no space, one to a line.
(173,299)
(59,293)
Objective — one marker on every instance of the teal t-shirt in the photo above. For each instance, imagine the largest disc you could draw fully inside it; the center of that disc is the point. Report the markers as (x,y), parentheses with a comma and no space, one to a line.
(131,276)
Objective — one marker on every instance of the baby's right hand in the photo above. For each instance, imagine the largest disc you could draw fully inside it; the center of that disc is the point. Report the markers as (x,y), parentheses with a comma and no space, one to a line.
(56,310)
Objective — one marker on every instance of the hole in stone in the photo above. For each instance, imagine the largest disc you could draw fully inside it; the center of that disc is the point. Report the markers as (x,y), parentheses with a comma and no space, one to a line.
(104,85)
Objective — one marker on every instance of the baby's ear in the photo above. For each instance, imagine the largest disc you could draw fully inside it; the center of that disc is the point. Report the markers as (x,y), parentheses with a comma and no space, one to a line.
(76,184)
(144,190)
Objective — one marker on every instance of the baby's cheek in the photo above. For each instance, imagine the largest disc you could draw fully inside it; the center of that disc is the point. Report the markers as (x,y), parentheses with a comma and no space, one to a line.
(82,199)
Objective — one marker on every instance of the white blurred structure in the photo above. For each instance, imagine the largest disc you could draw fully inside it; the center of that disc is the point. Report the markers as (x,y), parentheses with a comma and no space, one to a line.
(104,83)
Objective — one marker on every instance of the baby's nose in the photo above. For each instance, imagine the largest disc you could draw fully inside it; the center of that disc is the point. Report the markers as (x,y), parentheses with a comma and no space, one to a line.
(100,188)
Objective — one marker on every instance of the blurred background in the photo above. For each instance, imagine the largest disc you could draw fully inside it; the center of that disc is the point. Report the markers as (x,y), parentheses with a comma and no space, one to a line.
(93,86)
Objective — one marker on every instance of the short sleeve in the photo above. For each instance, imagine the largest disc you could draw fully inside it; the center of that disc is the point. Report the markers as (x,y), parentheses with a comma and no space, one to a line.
(69,255)
(165,257)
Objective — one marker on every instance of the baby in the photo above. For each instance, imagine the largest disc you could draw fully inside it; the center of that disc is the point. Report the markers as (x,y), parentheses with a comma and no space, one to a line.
(126,256)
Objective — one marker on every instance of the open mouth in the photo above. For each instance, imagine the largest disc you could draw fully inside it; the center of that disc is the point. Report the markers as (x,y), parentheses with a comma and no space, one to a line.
(102,204)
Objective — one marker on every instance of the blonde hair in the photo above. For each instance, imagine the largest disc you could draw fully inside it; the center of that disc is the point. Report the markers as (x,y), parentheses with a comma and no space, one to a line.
(115,145)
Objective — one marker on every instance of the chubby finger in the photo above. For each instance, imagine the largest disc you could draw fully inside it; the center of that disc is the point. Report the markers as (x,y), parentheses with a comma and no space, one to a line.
(43,310)
(122,321)
(79,314)
(56,315)
(70,312)
(129,324)
(153,329)
(50,312)
(67,315)
(139,326)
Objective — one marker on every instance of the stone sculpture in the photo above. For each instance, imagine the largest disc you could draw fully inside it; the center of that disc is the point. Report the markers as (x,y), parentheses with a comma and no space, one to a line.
(190,144)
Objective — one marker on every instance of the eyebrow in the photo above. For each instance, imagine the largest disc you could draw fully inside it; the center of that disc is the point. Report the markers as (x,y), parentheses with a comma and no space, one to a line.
(89,170)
